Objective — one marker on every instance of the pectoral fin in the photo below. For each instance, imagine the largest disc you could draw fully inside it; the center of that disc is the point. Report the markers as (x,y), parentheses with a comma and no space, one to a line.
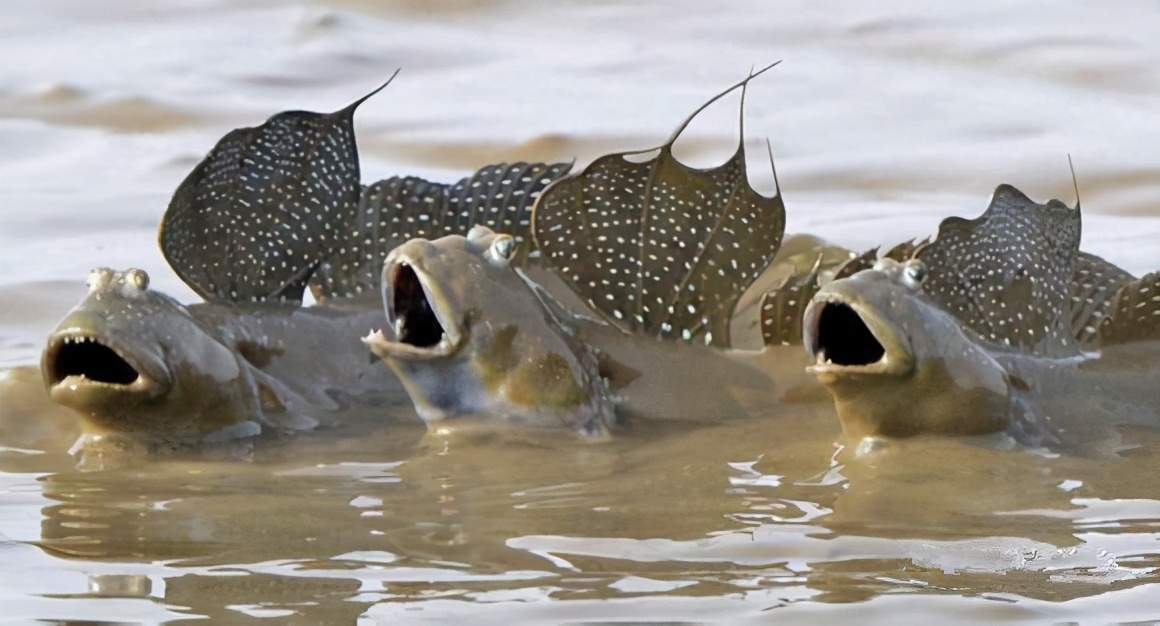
(281,407)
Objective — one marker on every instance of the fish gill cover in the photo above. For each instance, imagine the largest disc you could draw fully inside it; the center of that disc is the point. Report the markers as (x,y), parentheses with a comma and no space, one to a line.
(266,206)
(658,247)
(395,210)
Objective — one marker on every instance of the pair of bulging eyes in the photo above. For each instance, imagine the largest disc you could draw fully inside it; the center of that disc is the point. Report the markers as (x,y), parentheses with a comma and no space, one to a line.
(133,278)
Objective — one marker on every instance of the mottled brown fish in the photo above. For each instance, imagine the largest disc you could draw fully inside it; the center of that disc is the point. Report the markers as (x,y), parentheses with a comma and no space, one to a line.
(979,333)
(658,252)
(277,208)
(269,211)
(475,340)
(141,369)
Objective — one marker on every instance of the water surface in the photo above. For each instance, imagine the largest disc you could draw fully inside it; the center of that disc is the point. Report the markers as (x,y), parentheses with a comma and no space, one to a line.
(883,119)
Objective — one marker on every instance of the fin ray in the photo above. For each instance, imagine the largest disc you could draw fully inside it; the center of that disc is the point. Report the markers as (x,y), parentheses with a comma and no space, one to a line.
(397,209)
(265,206)
(658,247)
(1006,274)
(1134,314)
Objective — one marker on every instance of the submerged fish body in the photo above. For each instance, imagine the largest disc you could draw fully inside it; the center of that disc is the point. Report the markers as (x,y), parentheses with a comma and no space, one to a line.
(139,367)
(982,332)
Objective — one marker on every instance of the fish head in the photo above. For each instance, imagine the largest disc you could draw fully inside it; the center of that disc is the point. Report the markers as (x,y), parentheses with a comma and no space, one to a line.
(470,336)
(133,361)
(895,362)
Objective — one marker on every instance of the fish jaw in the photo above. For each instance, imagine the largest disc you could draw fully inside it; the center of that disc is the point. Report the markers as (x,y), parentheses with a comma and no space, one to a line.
(421,324)
(849,338)
(83,367)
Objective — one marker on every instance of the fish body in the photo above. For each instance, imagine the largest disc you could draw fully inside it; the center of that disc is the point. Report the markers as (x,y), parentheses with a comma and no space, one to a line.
(136,365)
(625,311)
(474,338)
(983,332)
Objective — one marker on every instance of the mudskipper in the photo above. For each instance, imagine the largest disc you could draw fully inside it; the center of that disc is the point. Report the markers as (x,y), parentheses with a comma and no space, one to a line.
(999,324)
(652,255)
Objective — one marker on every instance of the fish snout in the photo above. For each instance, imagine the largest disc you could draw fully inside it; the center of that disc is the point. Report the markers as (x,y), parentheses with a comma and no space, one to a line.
(846,335)
(83,365)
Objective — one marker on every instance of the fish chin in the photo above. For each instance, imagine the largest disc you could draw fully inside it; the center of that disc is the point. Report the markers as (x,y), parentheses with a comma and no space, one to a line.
(83,368)
(849,339)
(420,324)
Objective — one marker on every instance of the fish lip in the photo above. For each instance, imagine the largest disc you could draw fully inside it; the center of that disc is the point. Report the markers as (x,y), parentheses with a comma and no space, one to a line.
(151,381)
(896,359)
(387,343)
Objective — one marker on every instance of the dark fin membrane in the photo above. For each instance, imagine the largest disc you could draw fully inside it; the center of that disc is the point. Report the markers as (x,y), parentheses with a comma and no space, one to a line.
(1135,314)
(1006,274)
(1093,289)
(398,209)
(266,207)
(782,309)
(657,247)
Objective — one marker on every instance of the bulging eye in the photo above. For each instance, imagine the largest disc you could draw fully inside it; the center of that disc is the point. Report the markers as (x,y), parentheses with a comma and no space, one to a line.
(914,273)
(502,248)
(98,278)
(137,278)
(885,264)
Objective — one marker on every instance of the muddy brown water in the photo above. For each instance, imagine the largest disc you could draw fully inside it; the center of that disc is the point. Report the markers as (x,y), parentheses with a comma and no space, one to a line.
(883,118)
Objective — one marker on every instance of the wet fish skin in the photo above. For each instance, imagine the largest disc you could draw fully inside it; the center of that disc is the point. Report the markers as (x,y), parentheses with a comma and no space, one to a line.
(478,342)
(932,376)
(985,331)
(139,367)
(469,335)
(110,360)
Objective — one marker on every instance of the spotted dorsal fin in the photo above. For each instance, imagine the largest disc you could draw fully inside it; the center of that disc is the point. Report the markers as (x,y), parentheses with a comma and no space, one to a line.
(1134,313)
(398,209)
(783,307)
(1006,274)
(658,247)
(266,207)
(1093,288)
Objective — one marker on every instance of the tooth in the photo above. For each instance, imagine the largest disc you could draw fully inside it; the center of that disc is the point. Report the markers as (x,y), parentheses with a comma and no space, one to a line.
(398,328)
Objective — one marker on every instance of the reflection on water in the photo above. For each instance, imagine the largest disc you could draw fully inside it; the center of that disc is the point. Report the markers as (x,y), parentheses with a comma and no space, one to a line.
(654,515)
(883,118)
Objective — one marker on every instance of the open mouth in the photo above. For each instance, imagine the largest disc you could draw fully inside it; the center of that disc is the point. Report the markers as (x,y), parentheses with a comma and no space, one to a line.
(85,359)
(840,339)
(414,322)
(419,328)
